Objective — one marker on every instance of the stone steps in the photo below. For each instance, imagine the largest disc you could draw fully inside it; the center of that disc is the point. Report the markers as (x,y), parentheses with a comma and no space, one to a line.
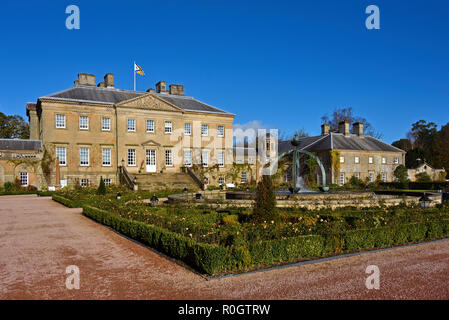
(159,181)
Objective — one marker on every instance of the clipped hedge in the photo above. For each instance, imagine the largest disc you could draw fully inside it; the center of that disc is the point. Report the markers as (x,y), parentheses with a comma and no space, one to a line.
(297,248)
(15,193)
(67,202)
(213,259)
(207,258)
(286,250)
(417,185)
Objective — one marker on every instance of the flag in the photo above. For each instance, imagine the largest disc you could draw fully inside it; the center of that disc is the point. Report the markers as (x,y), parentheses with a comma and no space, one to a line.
(138,69)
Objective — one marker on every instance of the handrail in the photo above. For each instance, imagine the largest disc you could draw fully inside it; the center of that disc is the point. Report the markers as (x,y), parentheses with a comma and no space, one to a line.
(125,178)
(194,177)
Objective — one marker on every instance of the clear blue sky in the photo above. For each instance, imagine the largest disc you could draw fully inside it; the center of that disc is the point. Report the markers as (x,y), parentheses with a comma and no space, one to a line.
(283,63)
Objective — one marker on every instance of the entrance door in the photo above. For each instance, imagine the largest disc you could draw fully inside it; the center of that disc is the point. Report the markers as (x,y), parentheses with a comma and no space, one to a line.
(151,160)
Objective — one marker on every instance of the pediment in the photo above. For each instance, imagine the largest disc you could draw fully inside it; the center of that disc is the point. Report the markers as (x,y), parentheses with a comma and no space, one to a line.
(149,101)
(151,142)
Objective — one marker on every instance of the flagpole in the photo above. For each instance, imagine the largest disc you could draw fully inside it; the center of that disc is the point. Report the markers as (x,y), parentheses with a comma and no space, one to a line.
(134,71)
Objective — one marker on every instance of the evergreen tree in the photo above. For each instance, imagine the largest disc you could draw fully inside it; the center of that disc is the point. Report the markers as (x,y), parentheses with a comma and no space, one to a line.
(401,174)
(265,204)
(101,188)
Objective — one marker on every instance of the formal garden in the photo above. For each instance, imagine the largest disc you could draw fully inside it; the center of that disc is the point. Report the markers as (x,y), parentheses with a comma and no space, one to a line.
(232,240)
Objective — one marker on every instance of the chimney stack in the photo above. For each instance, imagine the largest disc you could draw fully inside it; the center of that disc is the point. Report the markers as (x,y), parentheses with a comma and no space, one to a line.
(101,85)
(357,129)
(325,129)
(109,80)
(85,79)
(177,89)
(161,87)
(343,127)
(151,90)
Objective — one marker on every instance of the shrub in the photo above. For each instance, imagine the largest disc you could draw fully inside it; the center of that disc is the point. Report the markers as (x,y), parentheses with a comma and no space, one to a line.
(64,201)
(232,219)
(358,239)
(8,186)
(423,177)
(101,188)
(401,174)
(265,204)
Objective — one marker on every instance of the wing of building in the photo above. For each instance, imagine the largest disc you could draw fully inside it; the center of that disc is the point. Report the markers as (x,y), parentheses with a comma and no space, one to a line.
(345,154)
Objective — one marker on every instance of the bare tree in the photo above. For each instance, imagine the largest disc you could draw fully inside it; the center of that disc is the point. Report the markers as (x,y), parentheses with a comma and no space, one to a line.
(347,114)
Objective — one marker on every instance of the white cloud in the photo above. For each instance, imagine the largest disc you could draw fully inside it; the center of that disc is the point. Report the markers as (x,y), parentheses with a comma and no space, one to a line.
(255,124)
(249,130)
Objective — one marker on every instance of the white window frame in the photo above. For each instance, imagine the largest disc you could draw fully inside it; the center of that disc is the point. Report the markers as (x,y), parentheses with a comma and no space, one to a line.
(357,175)
(220,131)
(106,153)
(384,177)
(168,127)
(60,121)
(204,130)
(81,157)
(107,181)
(84,182)
(24,178)
(342,159)
(384,160)
(105,124)
(244,178)
(150,126)
(370,160)
(356,159)
(221,159)
(132,158)
(187,129)
(62,156)
(396,160)
(371,177)
(83,122)
(205,158)
(342,179)
(188,159)
(131,125)
(221,180)
(168,157)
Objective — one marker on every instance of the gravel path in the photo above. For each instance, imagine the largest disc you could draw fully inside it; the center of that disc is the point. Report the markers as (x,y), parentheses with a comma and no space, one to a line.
(39,238)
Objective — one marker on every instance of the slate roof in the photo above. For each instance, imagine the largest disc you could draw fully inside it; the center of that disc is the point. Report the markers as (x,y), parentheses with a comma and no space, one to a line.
(112,96)
(338,141)
(20,144)
(190,104)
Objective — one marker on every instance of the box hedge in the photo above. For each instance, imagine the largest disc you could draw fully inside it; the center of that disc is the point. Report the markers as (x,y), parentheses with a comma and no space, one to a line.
(213,259)
(64,201)
(207,258)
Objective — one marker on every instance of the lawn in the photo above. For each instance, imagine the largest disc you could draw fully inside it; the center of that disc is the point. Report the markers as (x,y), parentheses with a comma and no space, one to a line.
(225,241)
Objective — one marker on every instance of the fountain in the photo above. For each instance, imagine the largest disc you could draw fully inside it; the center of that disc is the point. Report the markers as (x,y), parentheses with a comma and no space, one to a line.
(299,185)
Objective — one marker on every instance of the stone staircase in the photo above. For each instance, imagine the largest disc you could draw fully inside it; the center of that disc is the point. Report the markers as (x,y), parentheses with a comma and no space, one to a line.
(166,180)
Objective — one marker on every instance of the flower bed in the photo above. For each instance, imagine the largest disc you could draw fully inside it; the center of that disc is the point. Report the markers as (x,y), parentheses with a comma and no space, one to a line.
(219,242)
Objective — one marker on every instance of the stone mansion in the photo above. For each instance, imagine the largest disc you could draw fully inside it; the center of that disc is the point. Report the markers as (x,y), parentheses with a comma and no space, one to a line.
(162,138)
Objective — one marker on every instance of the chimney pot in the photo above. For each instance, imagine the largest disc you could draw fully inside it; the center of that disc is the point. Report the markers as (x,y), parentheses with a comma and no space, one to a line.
(343,127)
(357,129)
(86,79)
(325,129)
(161,87)
(177,89)
(109,80)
